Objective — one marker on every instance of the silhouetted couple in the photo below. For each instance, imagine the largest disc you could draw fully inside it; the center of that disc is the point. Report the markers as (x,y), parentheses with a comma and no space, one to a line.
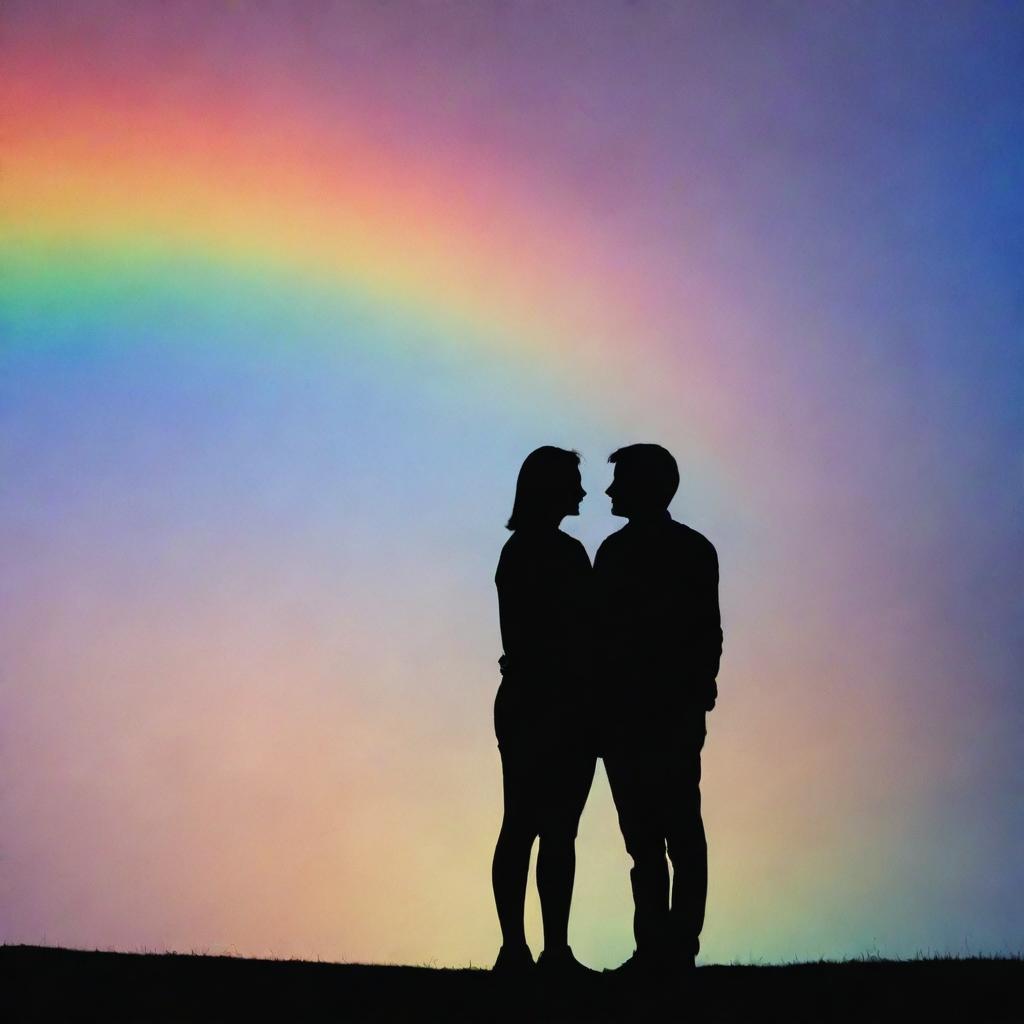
(617,661)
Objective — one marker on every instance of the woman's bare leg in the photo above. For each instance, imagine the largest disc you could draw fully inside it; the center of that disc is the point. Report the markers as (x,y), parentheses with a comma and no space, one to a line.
(509,871)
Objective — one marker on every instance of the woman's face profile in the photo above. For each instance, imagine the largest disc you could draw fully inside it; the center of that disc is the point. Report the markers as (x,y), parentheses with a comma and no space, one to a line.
(576,496)
(549,487)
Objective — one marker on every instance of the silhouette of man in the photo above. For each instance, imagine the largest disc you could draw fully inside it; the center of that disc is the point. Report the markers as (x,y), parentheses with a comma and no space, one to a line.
(656,584)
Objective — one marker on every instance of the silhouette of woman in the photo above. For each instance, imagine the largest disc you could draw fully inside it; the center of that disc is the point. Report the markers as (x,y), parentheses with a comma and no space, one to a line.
(547,759)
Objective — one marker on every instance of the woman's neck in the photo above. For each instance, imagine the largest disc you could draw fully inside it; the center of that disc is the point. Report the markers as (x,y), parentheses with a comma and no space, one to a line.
(541,525)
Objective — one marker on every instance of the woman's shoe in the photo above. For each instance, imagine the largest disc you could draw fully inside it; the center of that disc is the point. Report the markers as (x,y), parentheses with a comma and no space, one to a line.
(561,963)
(513,960)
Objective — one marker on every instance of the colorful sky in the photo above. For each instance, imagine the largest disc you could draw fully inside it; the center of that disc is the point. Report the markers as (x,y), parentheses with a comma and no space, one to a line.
(287,292)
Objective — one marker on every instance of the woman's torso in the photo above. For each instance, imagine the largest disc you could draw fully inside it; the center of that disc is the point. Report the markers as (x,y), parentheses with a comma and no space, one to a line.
(543,582)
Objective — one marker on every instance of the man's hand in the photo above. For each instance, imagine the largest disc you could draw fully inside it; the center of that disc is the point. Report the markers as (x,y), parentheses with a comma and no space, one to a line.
(710,694)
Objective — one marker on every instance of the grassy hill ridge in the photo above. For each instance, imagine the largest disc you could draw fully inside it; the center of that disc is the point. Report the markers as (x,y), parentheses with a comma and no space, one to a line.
(45,983)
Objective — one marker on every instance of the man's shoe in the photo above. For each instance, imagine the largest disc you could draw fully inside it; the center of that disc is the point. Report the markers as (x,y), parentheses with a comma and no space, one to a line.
(642,965)
(628,968)
(513,960)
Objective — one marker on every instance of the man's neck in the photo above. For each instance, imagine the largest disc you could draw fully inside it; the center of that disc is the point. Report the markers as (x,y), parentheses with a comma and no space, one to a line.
(655,518)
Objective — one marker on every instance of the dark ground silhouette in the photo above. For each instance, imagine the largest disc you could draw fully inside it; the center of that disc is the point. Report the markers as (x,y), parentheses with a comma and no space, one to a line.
(46,984)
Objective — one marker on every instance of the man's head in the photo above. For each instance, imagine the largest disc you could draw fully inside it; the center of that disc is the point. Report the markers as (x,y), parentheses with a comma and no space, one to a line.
(645,481)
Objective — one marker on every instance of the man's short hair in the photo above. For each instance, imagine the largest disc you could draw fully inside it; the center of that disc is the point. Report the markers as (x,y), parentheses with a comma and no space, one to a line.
(651,466)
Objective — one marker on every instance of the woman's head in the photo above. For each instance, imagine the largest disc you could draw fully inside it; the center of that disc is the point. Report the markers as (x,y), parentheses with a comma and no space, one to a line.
(549,487)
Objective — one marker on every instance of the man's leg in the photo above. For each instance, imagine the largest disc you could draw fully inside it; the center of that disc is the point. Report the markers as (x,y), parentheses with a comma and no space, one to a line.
(687,844)
(636,784)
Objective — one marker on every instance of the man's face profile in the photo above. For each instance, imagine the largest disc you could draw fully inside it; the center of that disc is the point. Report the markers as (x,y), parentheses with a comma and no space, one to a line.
(618,491)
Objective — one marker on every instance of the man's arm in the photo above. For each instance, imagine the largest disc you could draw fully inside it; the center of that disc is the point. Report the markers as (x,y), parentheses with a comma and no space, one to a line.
(708,625)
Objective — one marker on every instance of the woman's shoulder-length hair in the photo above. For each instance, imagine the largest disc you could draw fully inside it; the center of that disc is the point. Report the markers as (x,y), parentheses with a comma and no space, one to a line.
(544,477)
